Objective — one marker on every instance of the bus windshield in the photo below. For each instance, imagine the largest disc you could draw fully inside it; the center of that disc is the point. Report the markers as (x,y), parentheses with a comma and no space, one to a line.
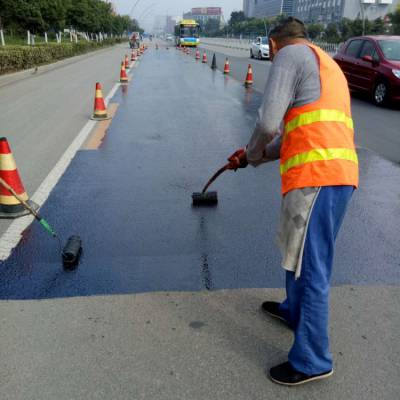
(189,31)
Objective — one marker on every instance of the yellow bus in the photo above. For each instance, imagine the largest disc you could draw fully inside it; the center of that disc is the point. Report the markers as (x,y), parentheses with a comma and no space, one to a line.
(187,33)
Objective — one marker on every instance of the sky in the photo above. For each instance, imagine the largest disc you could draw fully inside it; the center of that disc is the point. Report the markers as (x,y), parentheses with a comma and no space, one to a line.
(146,10)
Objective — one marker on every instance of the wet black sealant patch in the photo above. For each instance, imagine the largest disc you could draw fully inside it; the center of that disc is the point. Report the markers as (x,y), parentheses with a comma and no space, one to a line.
(130,201)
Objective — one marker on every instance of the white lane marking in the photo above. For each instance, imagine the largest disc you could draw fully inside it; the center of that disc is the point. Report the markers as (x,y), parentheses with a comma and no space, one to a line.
(10,239)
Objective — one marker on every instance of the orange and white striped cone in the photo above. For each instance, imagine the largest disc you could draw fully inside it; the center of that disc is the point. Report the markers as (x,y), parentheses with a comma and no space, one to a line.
(204,61)
(133,56)
(127,63)
(227,67)
(142,50)
(123,77)
(138,54)
(197,55)
(100,110)
(10,207)
(249,76)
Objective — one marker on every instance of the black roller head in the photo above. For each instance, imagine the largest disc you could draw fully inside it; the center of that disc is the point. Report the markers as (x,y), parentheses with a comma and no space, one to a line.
(72,252)
(205,199)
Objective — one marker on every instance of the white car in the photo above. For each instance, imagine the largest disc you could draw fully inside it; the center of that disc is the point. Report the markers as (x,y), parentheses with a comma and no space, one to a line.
(260,48)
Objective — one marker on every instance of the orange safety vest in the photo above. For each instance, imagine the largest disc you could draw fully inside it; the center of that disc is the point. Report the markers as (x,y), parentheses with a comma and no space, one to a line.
(318,140)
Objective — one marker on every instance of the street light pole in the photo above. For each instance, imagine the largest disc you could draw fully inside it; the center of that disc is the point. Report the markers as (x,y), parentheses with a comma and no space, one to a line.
(362,16)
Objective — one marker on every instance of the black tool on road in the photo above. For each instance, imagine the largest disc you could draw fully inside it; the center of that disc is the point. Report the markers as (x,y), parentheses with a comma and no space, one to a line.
(205,198)
(72,250)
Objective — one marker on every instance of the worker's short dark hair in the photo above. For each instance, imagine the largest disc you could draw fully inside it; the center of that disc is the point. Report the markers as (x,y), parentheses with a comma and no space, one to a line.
(289,28)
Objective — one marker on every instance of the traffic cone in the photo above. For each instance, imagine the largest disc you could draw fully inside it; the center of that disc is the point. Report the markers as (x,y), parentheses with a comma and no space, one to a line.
(204,61)
(100,110)
(123,78)
(227,68)
(127,63)
(214,62)
(249,76)
(133,56)
(197,55)
(138,54)
(10,207)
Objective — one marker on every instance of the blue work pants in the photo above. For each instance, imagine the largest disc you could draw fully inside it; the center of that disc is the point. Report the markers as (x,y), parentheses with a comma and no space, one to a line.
(306,307)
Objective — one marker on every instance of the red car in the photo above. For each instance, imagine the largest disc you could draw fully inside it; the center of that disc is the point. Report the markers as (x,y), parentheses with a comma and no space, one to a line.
(372,64)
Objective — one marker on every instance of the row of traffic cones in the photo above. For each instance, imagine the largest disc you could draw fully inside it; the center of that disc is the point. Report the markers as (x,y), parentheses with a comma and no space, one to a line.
(100,110)
(227,68)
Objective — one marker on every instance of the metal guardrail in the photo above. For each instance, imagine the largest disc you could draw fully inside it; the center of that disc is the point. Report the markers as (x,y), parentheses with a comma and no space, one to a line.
(245,44)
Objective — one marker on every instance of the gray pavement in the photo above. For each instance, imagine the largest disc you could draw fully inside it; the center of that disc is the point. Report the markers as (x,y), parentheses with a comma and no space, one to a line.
(165,303)
(190,346)
(377,128)
(41,114)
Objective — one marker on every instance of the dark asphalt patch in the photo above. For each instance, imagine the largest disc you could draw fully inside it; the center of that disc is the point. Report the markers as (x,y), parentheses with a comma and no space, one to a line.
(130,201)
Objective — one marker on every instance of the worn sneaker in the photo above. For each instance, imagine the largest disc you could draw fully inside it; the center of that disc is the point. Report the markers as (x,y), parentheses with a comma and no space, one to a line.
(272,308)
(285,374)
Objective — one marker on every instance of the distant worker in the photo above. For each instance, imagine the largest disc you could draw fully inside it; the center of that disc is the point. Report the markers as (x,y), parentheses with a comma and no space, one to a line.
(319,171)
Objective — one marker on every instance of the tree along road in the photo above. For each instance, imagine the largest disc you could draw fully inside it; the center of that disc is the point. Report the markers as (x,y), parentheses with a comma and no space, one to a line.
(376,128)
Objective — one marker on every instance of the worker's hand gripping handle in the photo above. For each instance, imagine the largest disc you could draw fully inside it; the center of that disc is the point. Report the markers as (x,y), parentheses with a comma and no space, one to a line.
(238,160)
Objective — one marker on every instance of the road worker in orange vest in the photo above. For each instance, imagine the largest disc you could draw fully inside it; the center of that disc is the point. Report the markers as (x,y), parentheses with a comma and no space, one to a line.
(305,121)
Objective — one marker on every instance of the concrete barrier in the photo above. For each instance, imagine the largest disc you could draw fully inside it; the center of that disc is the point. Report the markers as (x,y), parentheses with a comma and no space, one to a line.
(245,44)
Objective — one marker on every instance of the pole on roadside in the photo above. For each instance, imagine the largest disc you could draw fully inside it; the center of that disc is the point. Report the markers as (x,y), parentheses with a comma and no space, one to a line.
(362,11)
(3,43)
(32,40)
(45,38)
(29,38)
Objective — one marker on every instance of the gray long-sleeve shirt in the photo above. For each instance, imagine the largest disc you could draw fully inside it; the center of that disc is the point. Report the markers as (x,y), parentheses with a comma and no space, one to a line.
(293,81)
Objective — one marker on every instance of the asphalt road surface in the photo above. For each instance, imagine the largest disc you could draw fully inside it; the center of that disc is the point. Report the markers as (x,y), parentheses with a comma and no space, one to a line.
(165,302)
(42,114)
(377,129)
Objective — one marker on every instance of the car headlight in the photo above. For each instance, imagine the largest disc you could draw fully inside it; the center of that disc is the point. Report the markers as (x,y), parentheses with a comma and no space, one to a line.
(396,73)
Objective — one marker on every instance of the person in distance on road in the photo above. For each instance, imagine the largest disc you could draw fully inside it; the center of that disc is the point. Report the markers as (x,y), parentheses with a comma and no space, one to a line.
(319,170)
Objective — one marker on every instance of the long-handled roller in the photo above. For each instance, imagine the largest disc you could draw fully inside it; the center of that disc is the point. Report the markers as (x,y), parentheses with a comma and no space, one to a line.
(73,248)
(205,198)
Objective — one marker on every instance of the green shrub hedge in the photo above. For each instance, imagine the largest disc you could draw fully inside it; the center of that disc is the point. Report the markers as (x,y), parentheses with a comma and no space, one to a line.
(16,58)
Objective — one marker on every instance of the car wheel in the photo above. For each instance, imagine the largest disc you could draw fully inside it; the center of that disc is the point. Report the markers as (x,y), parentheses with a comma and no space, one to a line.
(380,94)
(251,54)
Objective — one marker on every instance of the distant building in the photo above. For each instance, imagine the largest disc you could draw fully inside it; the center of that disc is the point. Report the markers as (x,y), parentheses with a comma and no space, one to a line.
(267,8)
(170,24)
(326,11)
(203,14)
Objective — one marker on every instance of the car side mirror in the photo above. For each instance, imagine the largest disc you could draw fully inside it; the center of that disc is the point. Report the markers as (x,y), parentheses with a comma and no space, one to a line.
(367,58)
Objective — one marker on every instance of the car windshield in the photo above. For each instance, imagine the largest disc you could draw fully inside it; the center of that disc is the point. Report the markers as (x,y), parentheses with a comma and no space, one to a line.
(390,49)
(264,40)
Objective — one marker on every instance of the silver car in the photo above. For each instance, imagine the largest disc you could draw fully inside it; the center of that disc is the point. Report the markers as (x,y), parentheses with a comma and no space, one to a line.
(260,48)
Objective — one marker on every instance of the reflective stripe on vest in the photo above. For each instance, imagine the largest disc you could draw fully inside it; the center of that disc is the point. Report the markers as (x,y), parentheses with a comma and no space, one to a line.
(318,116)
(319,155)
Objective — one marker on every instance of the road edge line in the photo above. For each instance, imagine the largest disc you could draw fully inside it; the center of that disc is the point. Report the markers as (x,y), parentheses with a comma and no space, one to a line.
(12,236)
